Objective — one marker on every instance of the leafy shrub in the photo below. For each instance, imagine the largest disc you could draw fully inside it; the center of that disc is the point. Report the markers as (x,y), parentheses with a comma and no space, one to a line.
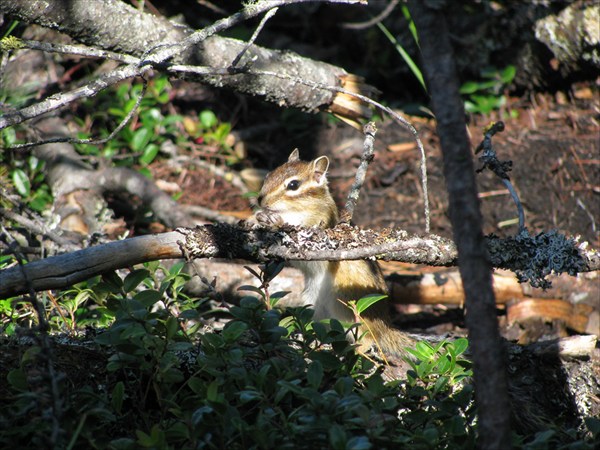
(156,378)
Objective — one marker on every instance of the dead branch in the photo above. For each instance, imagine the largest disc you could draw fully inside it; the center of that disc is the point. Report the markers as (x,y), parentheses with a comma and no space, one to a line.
(232,242)
(158,40)
(68,174)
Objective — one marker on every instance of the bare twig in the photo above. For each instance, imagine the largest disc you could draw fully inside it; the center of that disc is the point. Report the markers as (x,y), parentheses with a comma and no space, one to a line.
(261,25)
(93,141)
(35,228)
(80,50)
(373,21)
(212,7)
(366,158)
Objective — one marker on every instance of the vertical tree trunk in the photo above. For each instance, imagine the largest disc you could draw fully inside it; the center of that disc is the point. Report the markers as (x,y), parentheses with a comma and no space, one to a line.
(475,268)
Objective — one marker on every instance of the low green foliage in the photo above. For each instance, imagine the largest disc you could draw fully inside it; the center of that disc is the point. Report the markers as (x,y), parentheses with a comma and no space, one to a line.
(23,173)
(486,96)
(270,379)
(139,142)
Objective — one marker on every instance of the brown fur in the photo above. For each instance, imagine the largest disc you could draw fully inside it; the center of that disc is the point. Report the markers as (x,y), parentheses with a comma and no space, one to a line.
(327,283)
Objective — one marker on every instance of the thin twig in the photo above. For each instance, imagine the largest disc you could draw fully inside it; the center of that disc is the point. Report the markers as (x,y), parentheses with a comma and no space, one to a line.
(361,173)
(34,227)
(261,25)
(80,50)
(93,141)
(373,21)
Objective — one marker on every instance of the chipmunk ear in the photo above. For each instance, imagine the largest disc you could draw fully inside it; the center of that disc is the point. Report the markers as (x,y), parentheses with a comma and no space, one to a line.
(319,167)
(294,156)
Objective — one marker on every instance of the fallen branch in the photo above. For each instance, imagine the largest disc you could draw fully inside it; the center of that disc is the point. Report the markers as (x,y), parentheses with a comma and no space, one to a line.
(235,242)
(158,43)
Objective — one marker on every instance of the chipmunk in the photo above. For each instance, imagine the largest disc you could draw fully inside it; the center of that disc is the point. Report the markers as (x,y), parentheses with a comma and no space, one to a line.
(297,193)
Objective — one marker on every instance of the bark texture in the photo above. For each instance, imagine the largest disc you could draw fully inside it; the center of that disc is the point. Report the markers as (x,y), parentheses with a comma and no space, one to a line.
(113,25)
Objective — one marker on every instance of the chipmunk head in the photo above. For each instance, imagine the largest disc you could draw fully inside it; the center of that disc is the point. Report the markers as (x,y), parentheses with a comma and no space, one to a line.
(297,192)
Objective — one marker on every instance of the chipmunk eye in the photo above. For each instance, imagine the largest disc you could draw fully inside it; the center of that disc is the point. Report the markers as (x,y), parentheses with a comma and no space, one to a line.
(293,185)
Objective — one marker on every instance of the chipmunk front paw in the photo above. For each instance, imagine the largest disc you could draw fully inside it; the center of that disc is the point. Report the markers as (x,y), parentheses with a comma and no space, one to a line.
(264,218)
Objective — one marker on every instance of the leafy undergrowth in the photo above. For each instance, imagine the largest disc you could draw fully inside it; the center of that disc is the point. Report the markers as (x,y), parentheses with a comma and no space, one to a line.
(269,379)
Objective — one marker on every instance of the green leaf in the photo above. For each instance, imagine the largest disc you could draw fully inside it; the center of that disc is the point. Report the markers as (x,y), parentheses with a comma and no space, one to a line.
(425,349)
(40,200)
(212,391)
(199,414)
(440,384)
(141,138)
(314,374)
(249,396)
(145,172)
(328,360)
(460,346)
(337,437)
(117,112)
(17,379)
(21,182)
(469,87)
(234,330)
(368,300)
(118,394)
(172,326)
(149,154)
(113,281)
(197,385)
(148,297)
(208,119)
(10,136)
(133,279)
(404,55)
(254,289)
(144,440)
(358,443)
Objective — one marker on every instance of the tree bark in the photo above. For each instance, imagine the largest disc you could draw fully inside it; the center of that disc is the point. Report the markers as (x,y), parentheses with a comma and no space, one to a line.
(113,25)
(474,263)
